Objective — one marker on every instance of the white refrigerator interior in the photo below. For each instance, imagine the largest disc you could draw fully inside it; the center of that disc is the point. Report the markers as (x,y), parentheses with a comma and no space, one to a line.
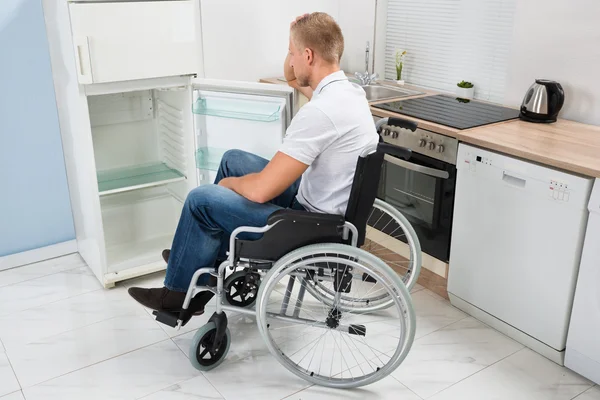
(151,147)
(583,342)
(517,237)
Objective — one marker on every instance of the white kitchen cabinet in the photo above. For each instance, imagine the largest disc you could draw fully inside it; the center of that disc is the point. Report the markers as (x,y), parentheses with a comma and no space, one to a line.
(121,41)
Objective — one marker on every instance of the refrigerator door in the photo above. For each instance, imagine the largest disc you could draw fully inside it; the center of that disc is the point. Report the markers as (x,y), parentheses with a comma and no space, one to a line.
(238,115)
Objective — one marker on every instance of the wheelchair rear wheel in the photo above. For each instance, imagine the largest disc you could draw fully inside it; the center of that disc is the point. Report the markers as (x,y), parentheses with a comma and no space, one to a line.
(323,343)
(390,237)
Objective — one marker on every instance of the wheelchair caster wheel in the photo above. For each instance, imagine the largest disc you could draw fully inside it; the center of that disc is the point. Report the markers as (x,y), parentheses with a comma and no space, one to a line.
(241,288)
(202,355)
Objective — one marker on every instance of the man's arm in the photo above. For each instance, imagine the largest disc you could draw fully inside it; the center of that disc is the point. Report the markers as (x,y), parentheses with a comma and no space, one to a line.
(279,174)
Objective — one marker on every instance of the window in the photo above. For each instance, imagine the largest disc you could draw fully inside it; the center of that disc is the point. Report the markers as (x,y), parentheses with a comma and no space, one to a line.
(448,41)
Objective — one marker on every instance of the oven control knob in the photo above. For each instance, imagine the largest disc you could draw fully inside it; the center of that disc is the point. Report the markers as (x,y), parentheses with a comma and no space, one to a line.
(440,148)
(431,146)
(394,134)
(422,143)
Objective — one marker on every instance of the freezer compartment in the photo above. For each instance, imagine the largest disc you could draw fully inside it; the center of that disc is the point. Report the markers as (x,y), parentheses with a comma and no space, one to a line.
(117,41)
(138,225)
(140,140)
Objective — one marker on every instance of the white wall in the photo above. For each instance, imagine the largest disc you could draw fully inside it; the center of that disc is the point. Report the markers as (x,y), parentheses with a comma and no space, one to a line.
(248,40)
(357,20)
(558,40)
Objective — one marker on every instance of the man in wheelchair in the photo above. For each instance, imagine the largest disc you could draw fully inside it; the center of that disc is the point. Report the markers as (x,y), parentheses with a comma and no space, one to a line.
(313,170)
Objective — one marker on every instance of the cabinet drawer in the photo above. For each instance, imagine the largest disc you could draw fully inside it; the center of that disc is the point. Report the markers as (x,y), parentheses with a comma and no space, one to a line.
(120,41)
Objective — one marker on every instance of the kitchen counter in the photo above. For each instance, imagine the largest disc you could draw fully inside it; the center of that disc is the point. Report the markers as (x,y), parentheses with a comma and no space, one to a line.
(568,145)
(565,144)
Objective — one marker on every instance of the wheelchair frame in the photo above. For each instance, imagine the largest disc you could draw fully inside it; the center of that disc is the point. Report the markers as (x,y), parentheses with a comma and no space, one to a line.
(349,235)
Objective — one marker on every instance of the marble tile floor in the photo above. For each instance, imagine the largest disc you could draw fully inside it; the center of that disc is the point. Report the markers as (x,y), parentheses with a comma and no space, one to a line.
(62,336)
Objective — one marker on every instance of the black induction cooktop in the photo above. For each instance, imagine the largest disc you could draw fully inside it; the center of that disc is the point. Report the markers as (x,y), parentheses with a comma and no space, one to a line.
(451,111)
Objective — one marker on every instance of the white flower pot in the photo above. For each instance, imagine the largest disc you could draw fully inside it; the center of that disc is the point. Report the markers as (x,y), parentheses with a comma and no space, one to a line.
(400,82)
(465,93)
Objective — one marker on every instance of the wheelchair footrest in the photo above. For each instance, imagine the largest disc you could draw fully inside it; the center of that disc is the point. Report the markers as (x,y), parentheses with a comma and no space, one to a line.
(359,330)
(167,318)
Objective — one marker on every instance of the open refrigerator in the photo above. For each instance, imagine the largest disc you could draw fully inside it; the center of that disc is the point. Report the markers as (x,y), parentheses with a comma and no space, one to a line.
(135,146)
(151,147)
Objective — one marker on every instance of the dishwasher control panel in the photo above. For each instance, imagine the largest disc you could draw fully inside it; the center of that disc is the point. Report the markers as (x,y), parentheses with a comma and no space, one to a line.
(559,190)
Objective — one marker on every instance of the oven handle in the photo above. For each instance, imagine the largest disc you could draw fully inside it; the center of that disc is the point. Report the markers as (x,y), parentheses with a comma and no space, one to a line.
(438,173)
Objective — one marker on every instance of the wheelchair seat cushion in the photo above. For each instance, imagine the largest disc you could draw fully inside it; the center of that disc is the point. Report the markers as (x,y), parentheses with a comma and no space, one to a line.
(305,216)
(292,229)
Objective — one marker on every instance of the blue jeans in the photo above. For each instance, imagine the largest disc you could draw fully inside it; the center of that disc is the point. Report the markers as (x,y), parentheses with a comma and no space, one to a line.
(211,213)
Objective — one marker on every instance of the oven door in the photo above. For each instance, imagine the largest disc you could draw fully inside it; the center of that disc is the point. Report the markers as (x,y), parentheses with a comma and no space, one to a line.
(422,189)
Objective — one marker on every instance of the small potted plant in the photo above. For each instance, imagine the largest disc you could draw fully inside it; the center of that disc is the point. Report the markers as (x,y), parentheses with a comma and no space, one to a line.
(399,63)
(465,90)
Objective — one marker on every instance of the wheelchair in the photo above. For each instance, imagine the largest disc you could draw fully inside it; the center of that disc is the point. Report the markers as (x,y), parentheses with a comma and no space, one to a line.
(357,323)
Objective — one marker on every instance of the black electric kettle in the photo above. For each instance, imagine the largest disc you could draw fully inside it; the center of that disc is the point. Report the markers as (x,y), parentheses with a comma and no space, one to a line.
(542,102)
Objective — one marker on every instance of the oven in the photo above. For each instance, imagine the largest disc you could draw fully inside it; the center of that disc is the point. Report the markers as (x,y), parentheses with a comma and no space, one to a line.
(423,187)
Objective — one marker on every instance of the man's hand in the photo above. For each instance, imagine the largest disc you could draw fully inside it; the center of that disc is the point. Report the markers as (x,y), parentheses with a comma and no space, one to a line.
(274,179)
(298,18)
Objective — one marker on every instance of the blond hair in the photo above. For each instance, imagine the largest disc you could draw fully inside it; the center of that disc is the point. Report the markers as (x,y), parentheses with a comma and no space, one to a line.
(320,33)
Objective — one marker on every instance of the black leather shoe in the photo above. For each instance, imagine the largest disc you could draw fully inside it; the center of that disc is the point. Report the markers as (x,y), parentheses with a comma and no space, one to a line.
(165,255)
(163,299)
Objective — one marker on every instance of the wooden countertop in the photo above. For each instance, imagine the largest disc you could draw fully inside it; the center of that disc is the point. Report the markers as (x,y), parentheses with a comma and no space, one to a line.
(564,144)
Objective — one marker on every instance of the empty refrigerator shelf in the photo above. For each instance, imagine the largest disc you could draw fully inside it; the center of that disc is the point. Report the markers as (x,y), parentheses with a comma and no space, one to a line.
(130,254)
(137,177)
(237,109)
(209,158)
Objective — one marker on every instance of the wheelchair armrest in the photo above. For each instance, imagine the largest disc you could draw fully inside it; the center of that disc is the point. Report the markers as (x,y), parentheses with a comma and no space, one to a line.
(305,216)
(396,151)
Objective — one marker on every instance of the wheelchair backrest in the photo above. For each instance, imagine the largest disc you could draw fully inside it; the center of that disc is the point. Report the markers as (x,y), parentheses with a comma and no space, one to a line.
(363,191)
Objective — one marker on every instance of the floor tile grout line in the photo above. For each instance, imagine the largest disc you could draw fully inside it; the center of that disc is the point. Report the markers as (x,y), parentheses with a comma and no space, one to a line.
(477,372)
(296,392)
(52,302)
(11,393)
(585,391)
(188,360)
(441,328)
(77,369)
(14,372)
(131,313)
(407,388)
(93,364)
(76,328)
(43,275)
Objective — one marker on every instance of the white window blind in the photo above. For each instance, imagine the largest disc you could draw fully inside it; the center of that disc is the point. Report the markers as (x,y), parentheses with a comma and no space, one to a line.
(448,41)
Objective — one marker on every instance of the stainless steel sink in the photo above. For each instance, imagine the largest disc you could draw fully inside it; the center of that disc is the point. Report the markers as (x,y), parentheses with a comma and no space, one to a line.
(377,92)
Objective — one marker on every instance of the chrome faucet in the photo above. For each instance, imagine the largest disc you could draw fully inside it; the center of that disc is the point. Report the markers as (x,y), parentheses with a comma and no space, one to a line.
(366,78)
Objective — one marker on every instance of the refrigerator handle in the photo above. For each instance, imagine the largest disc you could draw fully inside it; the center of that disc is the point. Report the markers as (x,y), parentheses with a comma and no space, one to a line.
(82,60)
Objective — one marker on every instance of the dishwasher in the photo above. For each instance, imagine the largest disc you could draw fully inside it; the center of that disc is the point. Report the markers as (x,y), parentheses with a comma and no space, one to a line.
(517,239)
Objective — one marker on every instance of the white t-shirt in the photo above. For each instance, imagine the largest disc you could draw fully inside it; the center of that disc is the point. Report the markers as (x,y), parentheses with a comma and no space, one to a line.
(329,133)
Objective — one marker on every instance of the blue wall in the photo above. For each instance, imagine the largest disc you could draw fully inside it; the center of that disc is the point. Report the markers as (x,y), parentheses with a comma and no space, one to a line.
(35,210)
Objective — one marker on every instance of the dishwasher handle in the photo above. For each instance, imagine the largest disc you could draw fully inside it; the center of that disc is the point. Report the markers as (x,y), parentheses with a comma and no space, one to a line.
(513,180)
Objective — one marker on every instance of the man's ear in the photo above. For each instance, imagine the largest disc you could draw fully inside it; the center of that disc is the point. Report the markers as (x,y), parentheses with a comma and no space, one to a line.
(309,55)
